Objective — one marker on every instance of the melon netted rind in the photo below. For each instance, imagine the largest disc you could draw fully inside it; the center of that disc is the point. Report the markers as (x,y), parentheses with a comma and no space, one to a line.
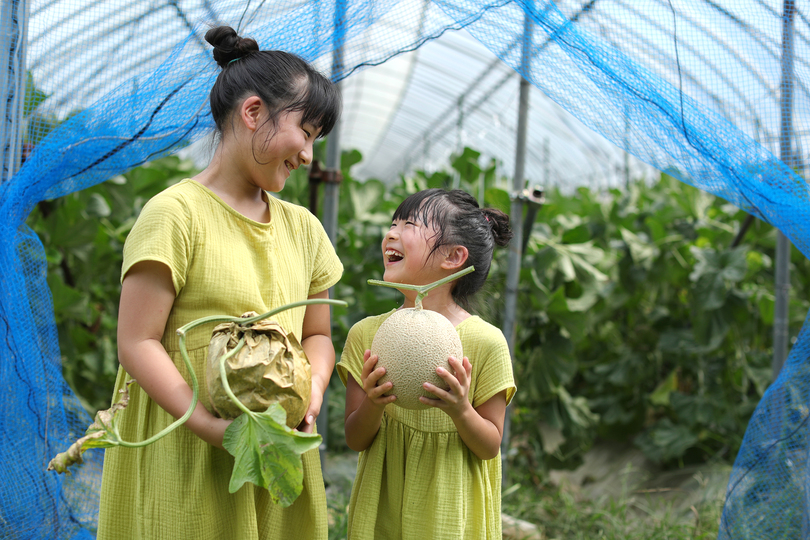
(270,368)
(410,345)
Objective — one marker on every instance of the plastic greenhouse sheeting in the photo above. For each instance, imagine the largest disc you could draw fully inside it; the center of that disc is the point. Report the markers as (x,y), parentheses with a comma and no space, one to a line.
(689,86)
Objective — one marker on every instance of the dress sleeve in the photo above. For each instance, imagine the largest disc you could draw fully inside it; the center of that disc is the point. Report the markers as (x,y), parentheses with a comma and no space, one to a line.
(493,366)
(162,233)
(327,268)
(351,359)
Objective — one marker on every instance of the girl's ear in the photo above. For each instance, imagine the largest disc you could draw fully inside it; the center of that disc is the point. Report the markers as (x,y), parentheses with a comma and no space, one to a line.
(455,258)
(250,112)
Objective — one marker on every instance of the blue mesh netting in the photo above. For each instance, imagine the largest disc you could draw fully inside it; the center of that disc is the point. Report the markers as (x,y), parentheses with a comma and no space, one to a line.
(697,81)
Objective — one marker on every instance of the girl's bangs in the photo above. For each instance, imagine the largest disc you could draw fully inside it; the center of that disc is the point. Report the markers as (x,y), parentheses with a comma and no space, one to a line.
(429,207)
(320,105)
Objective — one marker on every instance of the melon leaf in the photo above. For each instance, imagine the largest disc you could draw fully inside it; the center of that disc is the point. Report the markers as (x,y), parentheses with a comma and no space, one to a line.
(268,454)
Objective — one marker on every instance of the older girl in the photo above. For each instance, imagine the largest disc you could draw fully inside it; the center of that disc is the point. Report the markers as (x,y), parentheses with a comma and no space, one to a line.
(220,244)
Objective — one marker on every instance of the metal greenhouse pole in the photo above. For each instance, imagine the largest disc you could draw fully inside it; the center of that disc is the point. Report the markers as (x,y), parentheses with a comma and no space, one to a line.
(516,221)
(13,38)
(782,292)
(331,178)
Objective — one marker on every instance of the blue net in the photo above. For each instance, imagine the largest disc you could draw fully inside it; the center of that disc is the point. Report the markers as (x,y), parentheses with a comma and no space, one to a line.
(694,87)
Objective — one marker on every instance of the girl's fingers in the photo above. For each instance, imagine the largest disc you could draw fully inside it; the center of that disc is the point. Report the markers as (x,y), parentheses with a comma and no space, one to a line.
(431,402)
(451,379)
(443,395)
(376,391)
(368,363)
(462,368)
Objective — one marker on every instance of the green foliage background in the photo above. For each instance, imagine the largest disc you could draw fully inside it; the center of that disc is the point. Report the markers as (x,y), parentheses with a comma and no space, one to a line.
(636,319)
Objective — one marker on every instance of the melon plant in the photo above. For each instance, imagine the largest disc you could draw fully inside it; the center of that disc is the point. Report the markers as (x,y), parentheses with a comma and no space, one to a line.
(413,342)
(266,451)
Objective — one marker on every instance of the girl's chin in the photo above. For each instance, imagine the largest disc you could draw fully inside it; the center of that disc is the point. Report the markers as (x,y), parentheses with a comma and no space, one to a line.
(390,276)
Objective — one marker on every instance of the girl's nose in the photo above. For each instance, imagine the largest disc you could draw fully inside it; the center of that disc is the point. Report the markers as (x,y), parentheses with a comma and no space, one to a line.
(306,154)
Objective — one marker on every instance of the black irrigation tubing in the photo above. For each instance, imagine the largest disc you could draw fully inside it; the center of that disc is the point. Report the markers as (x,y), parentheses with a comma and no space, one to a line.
(134,137)
(680,81)
(179,140)
(168,146)
(454,27)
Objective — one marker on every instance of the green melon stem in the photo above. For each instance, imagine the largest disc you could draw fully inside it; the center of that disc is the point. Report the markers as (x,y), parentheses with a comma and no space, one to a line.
(223,375)
(422,290)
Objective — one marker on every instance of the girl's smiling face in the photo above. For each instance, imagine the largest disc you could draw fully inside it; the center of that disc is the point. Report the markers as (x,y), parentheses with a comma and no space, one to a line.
(287,147)
(406,249)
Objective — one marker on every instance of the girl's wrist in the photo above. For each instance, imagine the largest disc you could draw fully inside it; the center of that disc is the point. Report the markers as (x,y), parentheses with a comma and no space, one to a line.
(465,414)
(376,407)
(319,385)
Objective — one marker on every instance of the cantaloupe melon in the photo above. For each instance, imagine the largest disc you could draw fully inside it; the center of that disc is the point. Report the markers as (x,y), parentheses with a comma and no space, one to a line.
(410,345)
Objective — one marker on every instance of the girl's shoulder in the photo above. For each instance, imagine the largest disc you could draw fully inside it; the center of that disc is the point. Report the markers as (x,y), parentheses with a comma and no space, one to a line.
(478,335)
(370,324)
(176,194)
(168,210)
(475,325)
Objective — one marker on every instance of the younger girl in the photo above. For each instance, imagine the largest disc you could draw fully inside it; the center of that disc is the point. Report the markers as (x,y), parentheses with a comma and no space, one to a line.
(433,473)
(220,244)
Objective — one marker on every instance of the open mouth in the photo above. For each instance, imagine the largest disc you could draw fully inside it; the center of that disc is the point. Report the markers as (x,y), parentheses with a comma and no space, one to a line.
(393,255)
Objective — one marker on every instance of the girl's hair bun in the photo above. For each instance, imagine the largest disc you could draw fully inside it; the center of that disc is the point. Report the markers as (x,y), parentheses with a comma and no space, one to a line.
(499,224)
(228,46)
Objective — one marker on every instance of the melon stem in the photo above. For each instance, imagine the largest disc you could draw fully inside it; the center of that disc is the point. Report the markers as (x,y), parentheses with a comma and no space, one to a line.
(422,290)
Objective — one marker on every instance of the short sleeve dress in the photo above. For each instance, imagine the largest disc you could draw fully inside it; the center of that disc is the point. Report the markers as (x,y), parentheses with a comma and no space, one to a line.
(418,480)
(222,263)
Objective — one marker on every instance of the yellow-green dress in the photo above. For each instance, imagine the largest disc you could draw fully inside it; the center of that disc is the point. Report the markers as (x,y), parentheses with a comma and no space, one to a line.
(222,263)
(418,480)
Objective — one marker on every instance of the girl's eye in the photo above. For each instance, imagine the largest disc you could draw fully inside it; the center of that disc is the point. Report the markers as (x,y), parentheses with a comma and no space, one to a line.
(308,134)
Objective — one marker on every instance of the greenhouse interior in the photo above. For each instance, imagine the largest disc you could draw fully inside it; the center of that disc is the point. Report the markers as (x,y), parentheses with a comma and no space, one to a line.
(650,155)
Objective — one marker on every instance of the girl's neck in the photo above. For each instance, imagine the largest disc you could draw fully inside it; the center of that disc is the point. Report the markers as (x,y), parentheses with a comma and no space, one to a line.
(439,300)
(224,177)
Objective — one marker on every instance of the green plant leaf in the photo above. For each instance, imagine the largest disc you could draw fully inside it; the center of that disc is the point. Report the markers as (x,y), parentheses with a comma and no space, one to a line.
(642,251)
(366,199)
(97,206)
(498,198)
(268,454)
(660,396)
(33,95)
(350,158)
(467,165)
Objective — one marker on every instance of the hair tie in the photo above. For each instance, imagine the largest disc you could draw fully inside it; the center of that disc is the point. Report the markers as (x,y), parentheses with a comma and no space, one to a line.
(234,60)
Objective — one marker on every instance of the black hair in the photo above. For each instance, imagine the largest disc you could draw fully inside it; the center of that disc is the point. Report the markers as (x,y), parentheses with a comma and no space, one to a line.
(283,81)
(459,221)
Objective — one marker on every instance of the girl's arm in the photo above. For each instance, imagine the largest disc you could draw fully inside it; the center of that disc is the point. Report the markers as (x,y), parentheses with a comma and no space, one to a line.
(147,295)
(365,404)
(480,428)
(316,339)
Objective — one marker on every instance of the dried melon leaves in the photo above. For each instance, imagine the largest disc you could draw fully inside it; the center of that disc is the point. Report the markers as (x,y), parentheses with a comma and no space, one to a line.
(266,451)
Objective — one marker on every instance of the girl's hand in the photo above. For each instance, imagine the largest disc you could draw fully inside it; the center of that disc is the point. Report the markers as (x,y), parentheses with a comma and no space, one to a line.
(369,378)
(314,409)
(453,401)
